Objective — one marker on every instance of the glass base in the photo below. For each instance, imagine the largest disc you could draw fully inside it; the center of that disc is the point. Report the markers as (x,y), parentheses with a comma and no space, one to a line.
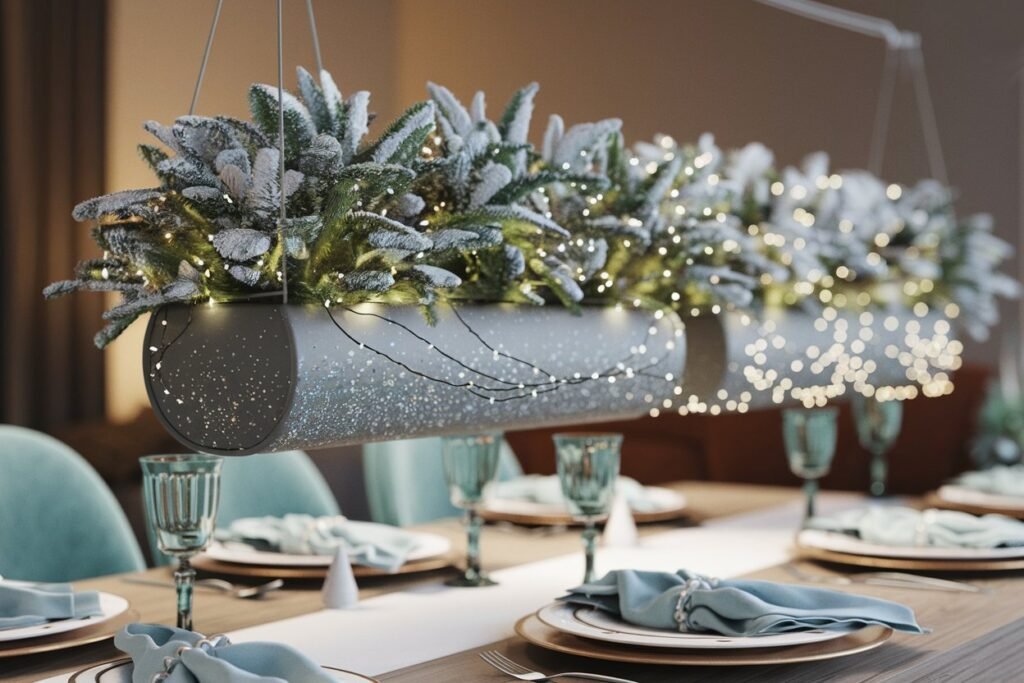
(470,581)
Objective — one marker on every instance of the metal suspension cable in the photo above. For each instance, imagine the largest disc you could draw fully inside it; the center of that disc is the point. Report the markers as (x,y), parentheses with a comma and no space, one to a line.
(316,37)
(898,43)
(206,57)
(280,132)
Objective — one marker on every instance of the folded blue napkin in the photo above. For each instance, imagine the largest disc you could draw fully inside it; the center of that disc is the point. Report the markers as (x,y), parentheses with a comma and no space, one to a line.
(192,658)
(24,605)
(372,545)
(1003,480)
(688,602)
(899,526)
(547,490)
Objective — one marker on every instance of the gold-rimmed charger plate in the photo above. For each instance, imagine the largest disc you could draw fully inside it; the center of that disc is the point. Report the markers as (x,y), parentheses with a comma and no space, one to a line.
(61,641)
(934,500)
(565,519)
(212,566)
(533,630)
(113,665)
(910,564)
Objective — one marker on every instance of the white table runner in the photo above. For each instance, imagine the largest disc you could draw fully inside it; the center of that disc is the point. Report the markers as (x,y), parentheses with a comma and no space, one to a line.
(419,624)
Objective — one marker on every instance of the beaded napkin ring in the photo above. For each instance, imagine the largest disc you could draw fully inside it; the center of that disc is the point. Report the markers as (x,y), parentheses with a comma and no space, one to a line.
(679,615)
(926,519)
(205,644)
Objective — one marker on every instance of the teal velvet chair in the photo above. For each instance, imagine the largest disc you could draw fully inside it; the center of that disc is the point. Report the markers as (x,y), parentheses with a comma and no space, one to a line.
(405,481)
(58,519)
(267,484)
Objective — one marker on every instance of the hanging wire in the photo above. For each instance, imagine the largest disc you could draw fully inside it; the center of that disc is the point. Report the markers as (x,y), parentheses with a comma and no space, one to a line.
(280,132)
(883,111)
(897,41)
(206,57)
(316,37)
(926,108)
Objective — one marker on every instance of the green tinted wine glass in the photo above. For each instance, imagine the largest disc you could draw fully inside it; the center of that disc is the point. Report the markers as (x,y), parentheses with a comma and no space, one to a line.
(588,467)
(470,463)
(878,425)
(182,493)
(810,439)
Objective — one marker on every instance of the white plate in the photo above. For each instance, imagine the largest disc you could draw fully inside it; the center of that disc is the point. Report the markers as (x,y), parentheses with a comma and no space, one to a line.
(427,546)
(663,500)
(844,543)
(592,623)
(111,605)
(121,672)
(966,496)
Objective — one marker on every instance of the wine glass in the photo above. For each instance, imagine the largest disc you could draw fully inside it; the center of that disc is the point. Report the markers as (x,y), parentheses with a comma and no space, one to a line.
(810,438)
(181,494)
(470,463)
(878,425)
(588,467)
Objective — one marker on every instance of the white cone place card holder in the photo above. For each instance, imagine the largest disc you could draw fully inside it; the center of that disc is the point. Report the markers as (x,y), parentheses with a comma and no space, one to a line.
(340,590)
(620,530)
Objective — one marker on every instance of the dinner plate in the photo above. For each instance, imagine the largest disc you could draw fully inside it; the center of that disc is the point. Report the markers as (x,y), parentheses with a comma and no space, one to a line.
(111,606)
(120,671)
(427,546)
(850,545)
(587,622)
(668,505)
(966,496)
(535,631)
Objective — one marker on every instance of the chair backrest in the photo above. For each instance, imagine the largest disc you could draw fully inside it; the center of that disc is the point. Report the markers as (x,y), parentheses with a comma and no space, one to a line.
(267,484)
(58,519)
(405,481)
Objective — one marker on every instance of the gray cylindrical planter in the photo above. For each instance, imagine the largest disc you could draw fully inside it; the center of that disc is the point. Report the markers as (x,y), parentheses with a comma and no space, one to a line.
(722,351)
(254,377)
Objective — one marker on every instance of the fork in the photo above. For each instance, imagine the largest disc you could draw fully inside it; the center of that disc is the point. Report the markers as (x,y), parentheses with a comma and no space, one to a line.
(217,585)
(519,672)
(890,579)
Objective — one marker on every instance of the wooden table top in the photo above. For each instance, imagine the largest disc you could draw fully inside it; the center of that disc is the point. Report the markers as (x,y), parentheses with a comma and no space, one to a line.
(972,633)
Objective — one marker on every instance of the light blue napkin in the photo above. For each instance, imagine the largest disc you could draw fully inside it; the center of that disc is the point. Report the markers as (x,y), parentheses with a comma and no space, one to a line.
(371,545)
(26,605)
(211,661)
(899,526)
(1003,480)
(688,602)
(547,490)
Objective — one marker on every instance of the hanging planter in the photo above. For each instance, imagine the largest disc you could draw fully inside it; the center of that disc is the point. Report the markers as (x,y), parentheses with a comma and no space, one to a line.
(254,377)
(789,357)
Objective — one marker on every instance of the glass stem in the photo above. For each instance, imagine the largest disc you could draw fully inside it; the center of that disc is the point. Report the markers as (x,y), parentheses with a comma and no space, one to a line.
(473,524)
(879,473)
(811,490)
(589,545)
(184,581)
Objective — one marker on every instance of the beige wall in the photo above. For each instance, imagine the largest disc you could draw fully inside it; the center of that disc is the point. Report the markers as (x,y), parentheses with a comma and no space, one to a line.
(733,67)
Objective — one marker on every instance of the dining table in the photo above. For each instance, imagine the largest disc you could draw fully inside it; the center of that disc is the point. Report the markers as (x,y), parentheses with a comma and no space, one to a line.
(974,636)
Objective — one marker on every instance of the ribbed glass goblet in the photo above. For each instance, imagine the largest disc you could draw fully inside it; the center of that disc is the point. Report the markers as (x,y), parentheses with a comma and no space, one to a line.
(878,425)
(588,468)
(470,463)
(181,494)
(810,438)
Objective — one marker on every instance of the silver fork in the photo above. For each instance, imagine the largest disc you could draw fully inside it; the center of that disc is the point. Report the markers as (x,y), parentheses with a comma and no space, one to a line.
(217,585)
(507,666)
(890,579)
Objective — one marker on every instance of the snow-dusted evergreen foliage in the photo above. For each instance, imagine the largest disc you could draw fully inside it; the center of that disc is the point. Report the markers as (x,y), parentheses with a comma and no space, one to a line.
(447,202)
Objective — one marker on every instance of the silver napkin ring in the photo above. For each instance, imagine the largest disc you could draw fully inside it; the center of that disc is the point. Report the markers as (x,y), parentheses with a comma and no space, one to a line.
(682,606)
(206,643)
